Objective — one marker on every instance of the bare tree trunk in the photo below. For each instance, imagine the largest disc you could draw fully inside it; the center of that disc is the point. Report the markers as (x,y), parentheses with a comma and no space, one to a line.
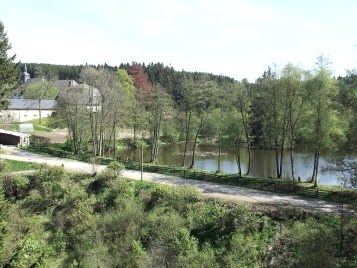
(114,140)
(219,151)
(195,142)
(187,134)
(39,111)
(135,130)
(277,158)
(281,155)
(237,152)
(317,169)
(246,131)
(292,160)
(249,157)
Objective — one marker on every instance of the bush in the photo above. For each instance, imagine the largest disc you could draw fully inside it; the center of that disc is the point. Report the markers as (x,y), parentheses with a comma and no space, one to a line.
(47,173)
(15,186)
(116,167)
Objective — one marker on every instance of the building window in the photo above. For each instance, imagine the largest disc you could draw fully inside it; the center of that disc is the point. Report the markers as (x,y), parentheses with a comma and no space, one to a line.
(25,115)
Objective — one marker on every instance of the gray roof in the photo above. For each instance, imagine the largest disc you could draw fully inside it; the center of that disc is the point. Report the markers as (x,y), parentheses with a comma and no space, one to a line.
(59,84)
(14,133)
(30,104)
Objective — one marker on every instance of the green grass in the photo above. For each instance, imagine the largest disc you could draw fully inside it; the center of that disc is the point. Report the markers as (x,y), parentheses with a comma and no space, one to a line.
(13,165)
(11,127)
(39,128)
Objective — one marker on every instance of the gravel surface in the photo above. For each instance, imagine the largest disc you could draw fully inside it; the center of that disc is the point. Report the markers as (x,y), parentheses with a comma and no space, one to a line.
(208,189)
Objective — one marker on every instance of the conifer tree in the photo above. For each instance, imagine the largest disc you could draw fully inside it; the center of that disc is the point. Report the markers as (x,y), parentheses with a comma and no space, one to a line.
(8,69)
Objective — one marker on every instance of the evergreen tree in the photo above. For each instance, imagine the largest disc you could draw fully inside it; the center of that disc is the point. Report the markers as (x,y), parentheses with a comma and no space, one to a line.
(8,69)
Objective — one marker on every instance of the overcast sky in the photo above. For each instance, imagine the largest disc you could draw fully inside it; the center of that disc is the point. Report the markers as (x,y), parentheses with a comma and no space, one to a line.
(236,38)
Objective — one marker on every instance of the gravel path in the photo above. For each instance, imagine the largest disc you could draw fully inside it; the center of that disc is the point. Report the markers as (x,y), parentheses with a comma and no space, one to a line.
(208,189)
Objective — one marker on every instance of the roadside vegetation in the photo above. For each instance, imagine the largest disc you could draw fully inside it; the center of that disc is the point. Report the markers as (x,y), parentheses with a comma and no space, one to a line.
(14,165)
(57,219)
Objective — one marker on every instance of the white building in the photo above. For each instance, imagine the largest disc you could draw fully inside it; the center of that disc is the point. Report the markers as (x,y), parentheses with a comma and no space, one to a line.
(21,110)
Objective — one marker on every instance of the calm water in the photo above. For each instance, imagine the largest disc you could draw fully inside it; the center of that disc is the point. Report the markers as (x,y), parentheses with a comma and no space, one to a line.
(262,161)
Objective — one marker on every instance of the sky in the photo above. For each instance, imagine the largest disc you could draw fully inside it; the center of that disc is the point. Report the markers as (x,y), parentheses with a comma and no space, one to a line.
(236,38)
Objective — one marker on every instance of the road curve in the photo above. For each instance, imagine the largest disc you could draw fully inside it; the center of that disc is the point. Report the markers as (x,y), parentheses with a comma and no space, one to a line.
(208,189)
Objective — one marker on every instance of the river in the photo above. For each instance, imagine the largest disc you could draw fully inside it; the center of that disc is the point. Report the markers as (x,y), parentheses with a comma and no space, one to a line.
(262,161)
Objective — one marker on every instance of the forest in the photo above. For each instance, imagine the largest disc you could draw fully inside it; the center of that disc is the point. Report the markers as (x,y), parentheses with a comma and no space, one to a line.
(56,219)
(282,109)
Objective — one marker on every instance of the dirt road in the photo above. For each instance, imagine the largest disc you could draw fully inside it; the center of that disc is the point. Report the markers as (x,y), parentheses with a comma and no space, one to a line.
(206,188)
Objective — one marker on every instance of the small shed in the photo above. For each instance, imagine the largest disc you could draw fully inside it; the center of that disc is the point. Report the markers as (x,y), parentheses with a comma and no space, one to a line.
(8,137)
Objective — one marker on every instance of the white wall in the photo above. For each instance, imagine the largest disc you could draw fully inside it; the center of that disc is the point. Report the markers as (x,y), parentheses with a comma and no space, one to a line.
(15,116)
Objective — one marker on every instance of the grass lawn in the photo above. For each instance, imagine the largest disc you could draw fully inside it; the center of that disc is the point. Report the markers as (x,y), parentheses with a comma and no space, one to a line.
(13,165)
(37,128)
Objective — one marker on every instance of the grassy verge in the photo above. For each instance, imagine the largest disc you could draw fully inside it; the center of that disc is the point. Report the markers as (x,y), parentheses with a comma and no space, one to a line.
(13,165)
(330,193)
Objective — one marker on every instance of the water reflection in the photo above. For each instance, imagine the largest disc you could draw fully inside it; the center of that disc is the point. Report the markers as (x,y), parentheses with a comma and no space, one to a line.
(262,161)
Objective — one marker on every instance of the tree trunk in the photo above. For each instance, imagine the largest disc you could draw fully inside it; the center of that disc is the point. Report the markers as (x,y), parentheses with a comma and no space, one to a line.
(114,141)
(248,165)
(277,158)
(317,169)
(219,151)
(281,156)
(39,112)
(195,143)
(245,125)
(187,134)
(237,151)
(292,160)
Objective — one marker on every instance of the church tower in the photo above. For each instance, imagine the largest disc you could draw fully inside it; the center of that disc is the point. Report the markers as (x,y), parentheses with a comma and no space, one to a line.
(25,75)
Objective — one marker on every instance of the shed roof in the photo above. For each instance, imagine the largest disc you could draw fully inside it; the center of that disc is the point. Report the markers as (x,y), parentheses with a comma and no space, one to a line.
(30,104)
(14,133)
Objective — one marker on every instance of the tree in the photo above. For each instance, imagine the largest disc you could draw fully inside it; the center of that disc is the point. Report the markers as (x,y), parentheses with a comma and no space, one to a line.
(143,94)
(186,107)
(72,107)
(234,128)
(291,81)
(274,120)
(159,109)
(324,128)
(243,103)
(141,81)
(137,112)
(40,91)
(8,69)
(204,98)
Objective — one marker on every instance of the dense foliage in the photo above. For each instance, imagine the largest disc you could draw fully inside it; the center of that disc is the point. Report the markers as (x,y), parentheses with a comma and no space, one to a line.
(8,68)
(61,220)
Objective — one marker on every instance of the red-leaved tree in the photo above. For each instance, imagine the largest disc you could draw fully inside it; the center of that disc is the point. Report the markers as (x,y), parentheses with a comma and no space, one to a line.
(143,86)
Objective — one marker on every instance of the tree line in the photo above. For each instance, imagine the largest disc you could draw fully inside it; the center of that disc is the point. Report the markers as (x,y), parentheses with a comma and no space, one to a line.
(281,109)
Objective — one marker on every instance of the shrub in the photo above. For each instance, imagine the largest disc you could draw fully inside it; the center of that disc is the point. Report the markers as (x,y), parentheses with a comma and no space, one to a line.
(116,167)
(15,186)
(50,173)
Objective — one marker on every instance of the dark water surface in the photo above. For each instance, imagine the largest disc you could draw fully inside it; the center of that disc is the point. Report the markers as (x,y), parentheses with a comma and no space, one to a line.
(262,161)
